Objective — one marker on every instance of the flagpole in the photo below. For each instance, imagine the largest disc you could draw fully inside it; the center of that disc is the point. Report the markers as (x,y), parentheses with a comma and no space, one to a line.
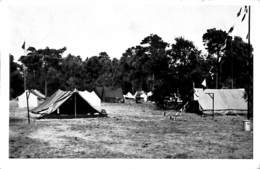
(24,70)
(27,93)
(249,83)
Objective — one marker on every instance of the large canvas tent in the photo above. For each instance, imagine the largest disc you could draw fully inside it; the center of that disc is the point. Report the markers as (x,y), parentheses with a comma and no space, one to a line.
(69,104)
(35,97)
(110,94)
(225,100)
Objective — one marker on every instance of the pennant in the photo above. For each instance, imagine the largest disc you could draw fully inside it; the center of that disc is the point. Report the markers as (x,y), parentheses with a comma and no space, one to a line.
(231,29)
(239,12)
(219,59)
(204,83)
(247,36)
(224,46)
(243,17)
(211,73)
(210,69)
(245,9)
(23,46)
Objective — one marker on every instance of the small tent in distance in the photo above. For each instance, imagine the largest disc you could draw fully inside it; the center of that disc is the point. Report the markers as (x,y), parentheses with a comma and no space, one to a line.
(110,94)
(34,99)
(70,104)
(129,96)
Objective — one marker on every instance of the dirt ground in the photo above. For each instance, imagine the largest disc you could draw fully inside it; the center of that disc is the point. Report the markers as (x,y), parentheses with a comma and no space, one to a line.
(131,131)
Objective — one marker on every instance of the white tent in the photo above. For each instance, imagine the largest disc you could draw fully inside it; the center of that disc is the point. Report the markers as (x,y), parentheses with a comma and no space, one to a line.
(197,93)
(149,94)
(33,100)
(144,96)
(225,100)
(129,96)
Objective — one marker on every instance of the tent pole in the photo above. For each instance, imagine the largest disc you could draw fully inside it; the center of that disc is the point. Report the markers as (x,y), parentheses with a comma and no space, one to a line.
(75,106)
(28,113)
(213,98)
(213,105)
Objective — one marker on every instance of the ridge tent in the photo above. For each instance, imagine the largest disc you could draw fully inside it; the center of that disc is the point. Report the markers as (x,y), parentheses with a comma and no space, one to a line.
(110,94)
(225,101)
(129,96)
(144,96)
(35,97)
(141,94)
(149,94)
(69,104)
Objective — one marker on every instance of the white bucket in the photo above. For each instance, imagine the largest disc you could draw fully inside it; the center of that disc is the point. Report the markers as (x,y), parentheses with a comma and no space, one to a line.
(246,125)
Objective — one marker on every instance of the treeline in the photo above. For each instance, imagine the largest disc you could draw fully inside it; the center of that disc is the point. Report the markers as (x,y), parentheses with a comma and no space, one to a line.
(153,65)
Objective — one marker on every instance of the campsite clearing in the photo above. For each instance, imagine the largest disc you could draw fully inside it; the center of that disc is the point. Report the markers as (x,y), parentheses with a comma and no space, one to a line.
(131,131)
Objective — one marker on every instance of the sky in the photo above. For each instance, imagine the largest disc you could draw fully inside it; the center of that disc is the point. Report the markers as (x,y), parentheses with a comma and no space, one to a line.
(88,28)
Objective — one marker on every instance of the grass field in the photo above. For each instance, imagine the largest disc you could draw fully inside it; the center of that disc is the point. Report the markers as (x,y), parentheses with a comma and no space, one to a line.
(130,131)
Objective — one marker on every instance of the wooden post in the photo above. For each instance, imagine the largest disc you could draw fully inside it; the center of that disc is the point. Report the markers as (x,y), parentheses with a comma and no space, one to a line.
(24,77)
(213,98)
(217,72)
(28,112)
(75,105)
(24,73)
(45,85)
(211,95)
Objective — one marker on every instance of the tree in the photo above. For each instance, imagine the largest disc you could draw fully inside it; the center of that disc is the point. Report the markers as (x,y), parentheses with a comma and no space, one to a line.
(42,65)
(91,70)
(16,79)
(72,71)
(141,65)
(157,66)
(185,67)
(215,42)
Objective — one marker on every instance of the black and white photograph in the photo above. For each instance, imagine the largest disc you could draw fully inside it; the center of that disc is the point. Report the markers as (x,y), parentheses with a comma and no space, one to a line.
(130,80)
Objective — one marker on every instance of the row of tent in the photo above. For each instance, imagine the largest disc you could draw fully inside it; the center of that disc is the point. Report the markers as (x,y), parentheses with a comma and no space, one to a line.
(105,94)
(76,103)
(69,103)
(142,94)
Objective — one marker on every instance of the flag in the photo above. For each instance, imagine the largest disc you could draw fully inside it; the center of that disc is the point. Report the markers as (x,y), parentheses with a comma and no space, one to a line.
(243,17)
(23,46)
(219,59)
(224,46)
(231,29)
(239,12)
(211,73)
(245,9)
(247,36)
(204,83)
